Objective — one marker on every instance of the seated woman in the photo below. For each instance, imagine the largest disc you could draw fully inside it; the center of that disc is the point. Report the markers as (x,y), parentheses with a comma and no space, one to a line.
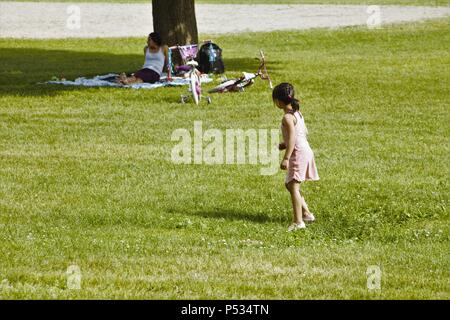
(155,60)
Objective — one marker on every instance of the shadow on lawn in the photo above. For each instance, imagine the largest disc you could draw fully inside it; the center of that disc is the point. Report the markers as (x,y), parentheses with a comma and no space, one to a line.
(248,65)
(234,215)
(21,69)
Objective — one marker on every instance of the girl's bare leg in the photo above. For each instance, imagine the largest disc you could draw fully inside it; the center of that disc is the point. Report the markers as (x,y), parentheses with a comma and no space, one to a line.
(130,80)
(296,198)
(306,212)
(121,77)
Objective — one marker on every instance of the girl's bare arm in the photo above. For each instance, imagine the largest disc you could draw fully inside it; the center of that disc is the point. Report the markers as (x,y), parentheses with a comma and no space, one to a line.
(288,122)
(166,55)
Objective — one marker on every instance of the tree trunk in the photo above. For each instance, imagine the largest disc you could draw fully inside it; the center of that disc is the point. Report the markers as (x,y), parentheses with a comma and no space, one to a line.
(175,21)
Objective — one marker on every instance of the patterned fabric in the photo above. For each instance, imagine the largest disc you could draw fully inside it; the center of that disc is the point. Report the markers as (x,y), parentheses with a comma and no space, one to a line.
(188,52)
(108,80)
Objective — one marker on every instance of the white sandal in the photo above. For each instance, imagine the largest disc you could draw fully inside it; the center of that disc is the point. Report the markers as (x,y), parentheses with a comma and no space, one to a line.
(309,218)
(296,226)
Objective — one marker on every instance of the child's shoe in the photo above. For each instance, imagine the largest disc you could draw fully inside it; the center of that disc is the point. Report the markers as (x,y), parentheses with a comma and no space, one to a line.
(309,218)
(295,226)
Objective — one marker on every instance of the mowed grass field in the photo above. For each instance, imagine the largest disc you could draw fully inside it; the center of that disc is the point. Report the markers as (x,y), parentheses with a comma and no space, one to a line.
(86,176)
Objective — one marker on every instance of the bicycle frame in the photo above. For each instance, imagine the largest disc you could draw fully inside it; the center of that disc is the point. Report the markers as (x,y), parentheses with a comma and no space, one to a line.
(195,84)
(195,87)
(246,80)
(262,70)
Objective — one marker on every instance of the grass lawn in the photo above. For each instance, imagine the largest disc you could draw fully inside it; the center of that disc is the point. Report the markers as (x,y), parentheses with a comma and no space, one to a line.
(86,176)
(377,2)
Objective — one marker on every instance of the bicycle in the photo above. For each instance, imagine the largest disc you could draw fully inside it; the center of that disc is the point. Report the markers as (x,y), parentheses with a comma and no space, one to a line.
(238,84)
(195,86)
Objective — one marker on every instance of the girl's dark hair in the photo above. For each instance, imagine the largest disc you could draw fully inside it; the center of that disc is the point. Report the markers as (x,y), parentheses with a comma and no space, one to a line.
(285,93)
(156,38)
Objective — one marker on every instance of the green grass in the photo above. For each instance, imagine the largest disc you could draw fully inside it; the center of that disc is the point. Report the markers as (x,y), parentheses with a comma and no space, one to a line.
(86,176)
(378,2)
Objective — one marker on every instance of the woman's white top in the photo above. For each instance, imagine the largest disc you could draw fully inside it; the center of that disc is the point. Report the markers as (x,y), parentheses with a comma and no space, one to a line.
(154,61)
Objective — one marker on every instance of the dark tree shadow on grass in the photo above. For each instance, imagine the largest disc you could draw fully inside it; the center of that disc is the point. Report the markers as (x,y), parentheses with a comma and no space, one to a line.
(21,69)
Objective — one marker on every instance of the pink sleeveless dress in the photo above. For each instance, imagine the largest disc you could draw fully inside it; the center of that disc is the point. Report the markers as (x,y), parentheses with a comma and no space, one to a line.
(302,166)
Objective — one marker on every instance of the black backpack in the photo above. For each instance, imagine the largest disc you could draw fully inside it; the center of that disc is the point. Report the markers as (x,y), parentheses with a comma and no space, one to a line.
(209,58)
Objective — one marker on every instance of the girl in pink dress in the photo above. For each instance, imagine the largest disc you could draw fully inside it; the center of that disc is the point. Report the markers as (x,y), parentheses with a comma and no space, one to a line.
(298,159)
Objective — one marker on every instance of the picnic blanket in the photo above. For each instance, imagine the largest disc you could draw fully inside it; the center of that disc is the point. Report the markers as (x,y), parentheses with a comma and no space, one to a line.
(108,80)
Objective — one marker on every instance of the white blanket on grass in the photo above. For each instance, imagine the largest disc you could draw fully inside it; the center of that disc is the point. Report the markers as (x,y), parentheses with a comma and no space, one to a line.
(99,81)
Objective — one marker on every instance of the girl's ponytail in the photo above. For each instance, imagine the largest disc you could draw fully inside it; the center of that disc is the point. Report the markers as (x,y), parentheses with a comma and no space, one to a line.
(295,103)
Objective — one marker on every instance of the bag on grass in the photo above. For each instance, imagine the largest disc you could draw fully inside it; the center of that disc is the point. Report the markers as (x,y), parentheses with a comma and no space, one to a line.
(209,59)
